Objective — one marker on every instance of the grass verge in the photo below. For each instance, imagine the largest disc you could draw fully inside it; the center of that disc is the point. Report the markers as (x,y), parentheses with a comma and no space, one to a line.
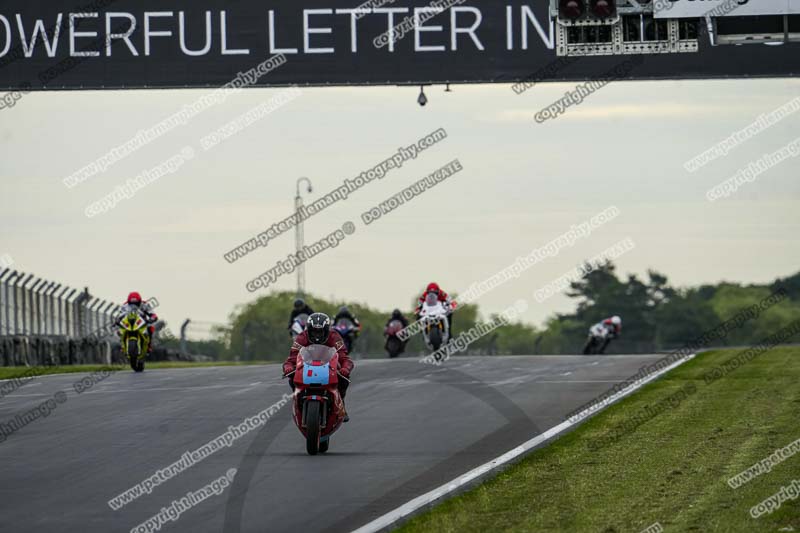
(9,372)
(628,468)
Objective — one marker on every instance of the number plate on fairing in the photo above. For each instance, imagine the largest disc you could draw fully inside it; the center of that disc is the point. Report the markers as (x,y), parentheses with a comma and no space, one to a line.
(316,375)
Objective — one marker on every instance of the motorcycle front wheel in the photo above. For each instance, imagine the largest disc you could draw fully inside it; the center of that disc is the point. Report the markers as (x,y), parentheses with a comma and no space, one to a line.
(312,427)
(587,349)
(435,338)
(393,346)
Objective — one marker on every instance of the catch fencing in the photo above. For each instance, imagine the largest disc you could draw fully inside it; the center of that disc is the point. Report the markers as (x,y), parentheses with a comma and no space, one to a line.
(30,305)
(46,323)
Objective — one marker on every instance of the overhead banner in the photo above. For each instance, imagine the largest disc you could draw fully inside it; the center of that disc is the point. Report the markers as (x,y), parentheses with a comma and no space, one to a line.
(106,44)
(724,8)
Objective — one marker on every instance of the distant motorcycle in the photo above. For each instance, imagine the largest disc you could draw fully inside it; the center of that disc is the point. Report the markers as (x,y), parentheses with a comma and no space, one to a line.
(299,325)
(318,409)
(433,316)
(134,339)
(394,345)
(348,331)
(598,340)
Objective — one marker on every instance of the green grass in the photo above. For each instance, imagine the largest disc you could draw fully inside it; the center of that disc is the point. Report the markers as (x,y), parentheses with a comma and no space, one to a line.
(672,469)
(8,372)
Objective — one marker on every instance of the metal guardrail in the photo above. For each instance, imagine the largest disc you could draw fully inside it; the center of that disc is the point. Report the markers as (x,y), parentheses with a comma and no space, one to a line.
(30,305)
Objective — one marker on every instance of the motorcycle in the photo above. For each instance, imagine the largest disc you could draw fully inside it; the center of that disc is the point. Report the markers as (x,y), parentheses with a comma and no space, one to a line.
(394,345)
(433,316)
(134,339)
(299,325)
(318,410)
(598,340)
(347,330)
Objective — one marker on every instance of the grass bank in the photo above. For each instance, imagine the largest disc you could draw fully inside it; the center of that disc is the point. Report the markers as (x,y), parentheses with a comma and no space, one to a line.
(663,455)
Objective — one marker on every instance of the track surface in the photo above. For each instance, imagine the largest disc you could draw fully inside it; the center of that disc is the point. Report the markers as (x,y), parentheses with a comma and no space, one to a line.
(413,427)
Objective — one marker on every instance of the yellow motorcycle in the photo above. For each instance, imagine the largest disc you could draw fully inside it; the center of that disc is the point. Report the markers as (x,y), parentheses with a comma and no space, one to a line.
(134,339)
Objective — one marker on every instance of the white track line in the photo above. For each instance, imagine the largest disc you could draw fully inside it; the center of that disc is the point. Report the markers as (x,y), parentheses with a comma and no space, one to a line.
(409,508)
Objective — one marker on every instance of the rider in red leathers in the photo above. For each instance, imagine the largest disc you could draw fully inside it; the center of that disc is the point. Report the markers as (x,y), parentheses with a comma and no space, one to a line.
(318,331)
(134,302)
(443,297)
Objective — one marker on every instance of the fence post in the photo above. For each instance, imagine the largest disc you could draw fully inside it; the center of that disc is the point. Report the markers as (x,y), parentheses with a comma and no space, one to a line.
(4,288)
(21,280)
(80,312)
(43,290)
(12,278)
(183,336)
(110,314)
(41,307)
(96,312)
(25,299)
(69,314)
(58,302)
(51,301)
(29,302)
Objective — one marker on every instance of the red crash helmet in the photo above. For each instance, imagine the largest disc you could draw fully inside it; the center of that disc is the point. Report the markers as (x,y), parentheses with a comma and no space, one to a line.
(432,287)
(134,298)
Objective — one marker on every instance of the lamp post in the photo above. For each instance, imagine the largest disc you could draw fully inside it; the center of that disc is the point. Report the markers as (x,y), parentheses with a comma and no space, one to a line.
(298,236)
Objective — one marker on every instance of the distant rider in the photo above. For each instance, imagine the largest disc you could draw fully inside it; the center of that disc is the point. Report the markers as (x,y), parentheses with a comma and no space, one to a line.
(300,308)
(318,331)
(609,328)
(134,303)
(443,297)
(396,315)
(344,313)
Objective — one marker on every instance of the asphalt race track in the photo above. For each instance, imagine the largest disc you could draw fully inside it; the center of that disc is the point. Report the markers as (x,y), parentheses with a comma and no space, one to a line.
(413,427)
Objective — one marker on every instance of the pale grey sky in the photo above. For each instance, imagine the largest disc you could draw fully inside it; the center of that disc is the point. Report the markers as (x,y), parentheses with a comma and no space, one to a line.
(523,183)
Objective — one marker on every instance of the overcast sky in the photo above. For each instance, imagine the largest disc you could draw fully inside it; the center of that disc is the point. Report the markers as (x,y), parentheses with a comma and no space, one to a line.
(522,184)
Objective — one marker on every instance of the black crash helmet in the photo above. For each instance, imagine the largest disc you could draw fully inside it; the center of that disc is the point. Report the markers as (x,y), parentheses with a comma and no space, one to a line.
(318,328)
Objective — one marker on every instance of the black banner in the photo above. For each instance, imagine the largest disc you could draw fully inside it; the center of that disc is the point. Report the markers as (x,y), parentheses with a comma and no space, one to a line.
(104,44)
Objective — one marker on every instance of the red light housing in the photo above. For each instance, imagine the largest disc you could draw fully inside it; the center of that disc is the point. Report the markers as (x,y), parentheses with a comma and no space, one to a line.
(570,9)
(603,8)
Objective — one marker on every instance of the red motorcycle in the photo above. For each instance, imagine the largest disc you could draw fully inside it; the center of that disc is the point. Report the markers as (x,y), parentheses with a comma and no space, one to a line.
(394,345)
(318,408)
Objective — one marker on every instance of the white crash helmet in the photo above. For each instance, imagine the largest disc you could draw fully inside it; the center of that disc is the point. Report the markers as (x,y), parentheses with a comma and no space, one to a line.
(617,321)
